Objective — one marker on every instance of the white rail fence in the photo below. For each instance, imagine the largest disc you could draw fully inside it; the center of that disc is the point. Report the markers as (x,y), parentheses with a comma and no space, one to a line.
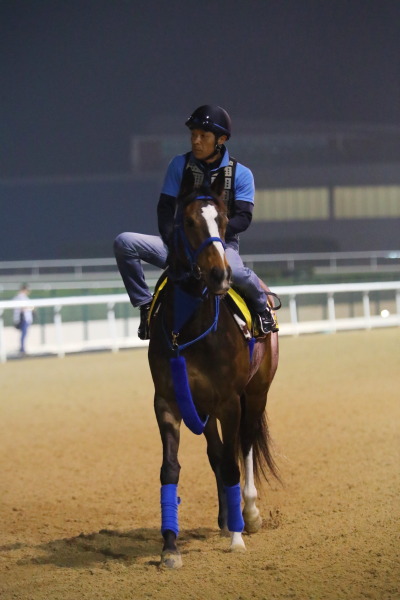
(306,309)
(84,269)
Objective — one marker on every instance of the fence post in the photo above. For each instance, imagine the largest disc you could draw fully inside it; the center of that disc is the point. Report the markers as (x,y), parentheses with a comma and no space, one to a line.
(367,310)
(293,312)
(112,326)
(58,331)
(331,311)
(3,353)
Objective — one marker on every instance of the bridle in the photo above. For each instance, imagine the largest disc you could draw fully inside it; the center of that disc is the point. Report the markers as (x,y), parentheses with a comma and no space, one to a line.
(192,254)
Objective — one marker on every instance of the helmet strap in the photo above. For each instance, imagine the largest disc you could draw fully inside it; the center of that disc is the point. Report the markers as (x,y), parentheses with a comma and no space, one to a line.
(217,149)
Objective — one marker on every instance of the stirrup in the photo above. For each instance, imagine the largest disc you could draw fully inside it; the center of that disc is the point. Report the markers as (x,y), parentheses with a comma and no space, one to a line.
(264,325)
(267,322)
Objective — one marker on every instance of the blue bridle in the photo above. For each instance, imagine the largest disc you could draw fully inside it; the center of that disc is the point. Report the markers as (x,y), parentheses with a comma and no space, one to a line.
(192,254)
(187,303)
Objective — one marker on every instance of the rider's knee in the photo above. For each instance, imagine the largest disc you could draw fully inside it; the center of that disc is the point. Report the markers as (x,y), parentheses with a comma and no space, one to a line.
(241,276)
(120,244)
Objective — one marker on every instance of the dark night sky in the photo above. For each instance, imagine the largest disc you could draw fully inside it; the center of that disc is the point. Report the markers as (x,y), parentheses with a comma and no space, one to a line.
(79,77)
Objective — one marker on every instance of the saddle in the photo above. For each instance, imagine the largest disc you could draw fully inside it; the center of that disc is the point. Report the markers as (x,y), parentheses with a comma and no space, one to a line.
(243,316)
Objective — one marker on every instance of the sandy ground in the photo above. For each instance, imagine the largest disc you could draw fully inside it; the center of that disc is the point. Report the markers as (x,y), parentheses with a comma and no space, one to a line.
(79,488)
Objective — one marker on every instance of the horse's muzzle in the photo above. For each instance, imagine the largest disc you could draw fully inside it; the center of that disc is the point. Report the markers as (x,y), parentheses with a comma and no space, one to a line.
(219,280)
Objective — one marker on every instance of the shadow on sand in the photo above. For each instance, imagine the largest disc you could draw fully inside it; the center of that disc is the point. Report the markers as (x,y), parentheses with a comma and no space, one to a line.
(96,549)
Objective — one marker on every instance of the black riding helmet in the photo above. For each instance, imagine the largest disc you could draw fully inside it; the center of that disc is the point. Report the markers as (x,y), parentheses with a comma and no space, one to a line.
(210,118)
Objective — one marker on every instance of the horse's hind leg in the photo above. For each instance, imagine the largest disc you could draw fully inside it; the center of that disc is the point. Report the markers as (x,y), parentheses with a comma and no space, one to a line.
(256,451)
(251,514)
(169,425)
(214,452)
(254,441)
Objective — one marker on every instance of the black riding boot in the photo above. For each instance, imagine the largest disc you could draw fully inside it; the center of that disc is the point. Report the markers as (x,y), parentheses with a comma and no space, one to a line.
(143,331)
(267,322)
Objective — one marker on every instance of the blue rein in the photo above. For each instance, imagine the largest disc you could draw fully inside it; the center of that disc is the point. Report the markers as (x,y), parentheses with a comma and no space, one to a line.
(185,306)
(192,255)
(177,348)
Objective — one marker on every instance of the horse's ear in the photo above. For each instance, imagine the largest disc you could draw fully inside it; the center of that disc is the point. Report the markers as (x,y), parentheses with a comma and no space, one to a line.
(218,185)
(187,185)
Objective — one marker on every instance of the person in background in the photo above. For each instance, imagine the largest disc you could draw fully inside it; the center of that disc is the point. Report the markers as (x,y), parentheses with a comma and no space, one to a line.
(23,317)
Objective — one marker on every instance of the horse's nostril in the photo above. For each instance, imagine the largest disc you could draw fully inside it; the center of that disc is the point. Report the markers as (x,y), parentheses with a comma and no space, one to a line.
(217,274)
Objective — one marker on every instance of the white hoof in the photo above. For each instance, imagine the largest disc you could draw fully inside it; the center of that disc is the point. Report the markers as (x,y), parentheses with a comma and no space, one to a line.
(171,560)
(237,543)
(252,520)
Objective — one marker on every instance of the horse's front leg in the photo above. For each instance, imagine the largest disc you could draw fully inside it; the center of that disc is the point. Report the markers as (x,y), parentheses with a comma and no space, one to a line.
(169,424)
(230,471)
(215,453)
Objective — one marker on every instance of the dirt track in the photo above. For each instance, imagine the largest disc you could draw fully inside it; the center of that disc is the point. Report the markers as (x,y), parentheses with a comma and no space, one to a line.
(80,459)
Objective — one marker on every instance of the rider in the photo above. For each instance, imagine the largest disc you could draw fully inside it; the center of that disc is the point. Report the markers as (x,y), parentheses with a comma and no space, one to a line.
(210,128)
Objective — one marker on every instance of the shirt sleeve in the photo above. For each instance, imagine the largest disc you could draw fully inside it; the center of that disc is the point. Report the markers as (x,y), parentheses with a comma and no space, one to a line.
(244,184)
(173,176)
(165,216)
(241,219)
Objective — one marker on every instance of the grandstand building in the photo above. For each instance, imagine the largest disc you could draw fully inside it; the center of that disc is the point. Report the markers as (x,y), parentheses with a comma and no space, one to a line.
(318,188)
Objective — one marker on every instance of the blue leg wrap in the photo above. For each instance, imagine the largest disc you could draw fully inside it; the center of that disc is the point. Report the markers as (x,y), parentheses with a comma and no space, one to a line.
(169,508)
(234,498)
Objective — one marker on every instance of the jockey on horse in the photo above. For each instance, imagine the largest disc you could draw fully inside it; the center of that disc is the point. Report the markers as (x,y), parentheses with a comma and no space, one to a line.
(210,128)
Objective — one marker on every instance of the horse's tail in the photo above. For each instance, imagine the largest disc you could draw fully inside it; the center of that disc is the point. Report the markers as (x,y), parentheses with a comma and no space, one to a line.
(256,435)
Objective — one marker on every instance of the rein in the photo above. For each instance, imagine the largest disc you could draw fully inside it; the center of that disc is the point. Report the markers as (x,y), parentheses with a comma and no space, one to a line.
(192,255)
(177,348)
(184,307)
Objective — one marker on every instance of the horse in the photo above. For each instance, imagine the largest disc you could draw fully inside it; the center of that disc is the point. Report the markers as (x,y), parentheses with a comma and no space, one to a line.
(205,371)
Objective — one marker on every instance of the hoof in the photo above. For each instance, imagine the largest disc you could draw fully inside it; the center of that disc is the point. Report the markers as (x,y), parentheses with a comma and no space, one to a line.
(171,560)
(237,548)
(252,523)
(237,543)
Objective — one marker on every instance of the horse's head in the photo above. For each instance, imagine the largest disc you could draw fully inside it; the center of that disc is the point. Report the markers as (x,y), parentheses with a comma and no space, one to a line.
(200,225)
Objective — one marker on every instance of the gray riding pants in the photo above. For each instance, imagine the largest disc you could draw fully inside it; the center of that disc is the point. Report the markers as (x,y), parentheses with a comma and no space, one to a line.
(131,249)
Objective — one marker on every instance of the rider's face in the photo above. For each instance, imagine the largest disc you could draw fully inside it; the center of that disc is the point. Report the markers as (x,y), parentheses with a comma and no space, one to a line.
(203,143)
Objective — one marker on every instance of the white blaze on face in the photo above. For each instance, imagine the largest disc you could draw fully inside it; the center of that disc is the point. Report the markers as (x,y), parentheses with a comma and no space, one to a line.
(210,214)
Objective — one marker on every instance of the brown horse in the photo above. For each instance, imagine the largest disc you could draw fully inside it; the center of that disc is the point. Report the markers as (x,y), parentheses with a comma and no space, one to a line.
(204,371)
